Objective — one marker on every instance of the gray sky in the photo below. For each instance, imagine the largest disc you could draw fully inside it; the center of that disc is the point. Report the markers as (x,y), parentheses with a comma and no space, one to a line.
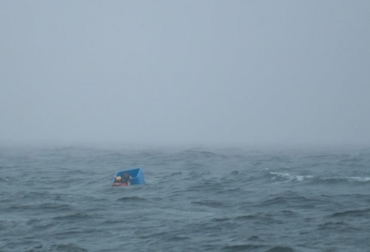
(202,72)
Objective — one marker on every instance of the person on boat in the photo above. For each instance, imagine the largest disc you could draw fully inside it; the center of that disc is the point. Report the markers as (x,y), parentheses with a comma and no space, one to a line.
(126,178)
(118,179)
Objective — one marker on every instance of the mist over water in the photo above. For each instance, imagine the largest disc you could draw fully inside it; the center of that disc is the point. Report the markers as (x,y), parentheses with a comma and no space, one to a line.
(185,72)
(201,199)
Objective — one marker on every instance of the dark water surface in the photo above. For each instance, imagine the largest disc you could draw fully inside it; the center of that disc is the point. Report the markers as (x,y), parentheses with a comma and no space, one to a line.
(197,199)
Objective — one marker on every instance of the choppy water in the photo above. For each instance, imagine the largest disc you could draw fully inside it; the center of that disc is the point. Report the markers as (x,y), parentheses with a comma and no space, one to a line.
(199,199)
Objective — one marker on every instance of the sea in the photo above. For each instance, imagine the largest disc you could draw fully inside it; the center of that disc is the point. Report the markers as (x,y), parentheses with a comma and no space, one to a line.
(196,198)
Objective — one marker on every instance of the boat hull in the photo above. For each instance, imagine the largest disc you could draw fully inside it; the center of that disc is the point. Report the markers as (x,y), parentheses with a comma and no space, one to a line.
(136,174)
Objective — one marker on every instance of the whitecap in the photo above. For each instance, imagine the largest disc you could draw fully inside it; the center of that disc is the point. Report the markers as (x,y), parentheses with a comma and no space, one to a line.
(290,177)
(359,179)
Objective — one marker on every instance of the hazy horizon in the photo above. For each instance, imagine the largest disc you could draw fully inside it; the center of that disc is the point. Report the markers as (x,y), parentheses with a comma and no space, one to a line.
(185,72)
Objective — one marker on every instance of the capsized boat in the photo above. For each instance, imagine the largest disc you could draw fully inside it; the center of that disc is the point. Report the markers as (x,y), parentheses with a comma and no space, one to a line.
(136,177)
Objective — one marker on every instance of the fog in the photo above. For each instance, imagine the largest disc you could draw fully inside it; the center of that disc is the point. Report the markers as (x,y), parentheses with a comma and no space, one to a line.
(185,72)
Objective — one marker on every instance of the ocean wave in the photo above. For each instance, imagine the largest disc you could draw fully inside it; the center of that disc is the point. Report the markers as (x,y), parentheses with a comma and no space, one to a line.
(67,247)
(6,179)
(242,247)
(76,216)
(291,200)
(275,201)
(221,219)
(197,153)
(352,213)
(279,176)
(346,179)
(332,225)
(207,186)
(209,203)
(178,238)
(42,207)
(133,198)
(174,174)
(280,249)
(289,177)
(258,218)
(338,227)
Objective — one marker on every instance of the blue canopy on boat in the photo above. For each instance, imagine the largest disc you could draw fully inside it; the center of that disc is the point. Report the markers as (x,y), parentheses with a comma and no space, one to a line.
(136,174)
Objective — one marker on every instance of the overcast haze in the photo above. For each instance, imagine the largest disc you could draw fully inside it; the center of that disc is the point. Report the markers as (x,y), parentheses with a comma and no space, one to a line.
(185,72)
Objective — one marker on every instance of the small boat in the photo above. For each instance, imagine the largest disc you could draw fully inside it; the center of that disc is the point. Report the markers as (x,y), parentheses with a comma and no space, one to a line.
(136,177)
